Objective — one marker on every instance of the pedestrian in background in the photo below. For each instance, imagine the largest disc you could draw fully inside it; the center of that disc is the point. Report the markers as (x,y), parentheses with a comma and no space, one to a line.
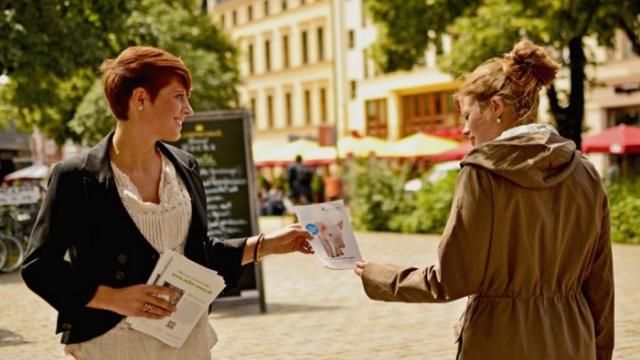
(528,236)
(115,209)
(299,177)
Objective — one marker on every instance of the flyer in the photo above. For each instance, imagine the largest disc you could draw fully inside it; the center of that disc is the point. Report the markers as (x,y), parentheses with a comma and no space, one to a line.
(197,285)
(333,240)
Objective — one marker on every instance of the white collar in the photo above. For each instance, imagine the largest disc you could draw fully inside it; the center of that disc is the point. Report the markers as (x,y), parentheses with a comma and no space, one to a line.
(527,128)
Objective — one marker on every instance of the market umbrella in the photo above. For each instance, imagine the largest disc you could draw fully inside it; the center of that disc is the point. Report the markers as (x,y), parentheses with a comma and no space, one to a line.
(618,140)
(361,147)
(420,145)
(35,171)
(261,148)
(311,152)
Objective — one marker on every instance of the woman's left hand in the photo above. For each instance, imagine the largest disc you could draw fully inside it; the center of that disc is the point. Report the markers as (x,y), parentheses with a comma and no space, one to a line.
(360,265)
(288,239)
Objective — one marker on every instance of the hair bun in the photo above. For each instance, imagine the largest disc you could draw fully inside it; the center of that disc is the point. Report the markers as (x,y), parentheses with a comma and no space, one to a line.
(530,65)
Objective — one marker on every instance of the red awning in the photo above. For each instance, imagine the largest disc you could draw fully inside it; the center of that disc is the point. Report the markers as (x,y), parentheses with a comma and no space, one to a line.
(621,139)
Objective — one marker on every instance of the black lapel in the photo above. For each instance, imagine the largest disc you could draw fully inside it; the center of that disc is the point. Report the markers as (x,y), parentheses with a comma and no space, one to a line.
(105,196)
(195,248)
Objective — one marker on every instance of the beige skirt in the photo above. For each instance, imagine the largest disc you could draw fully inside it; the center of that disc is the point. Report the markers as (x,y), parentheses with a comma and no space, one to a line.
(124,343)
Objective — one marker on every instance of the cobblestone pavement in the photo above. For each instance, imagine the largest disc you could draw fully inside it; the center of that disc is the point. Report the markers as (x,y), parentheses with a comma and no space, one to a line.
(316,313)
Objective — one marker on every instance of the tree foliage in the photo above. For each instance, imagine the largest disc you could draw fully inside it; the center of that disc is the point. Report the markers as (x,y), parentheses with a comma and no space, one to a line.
(48,49)
(53,85)
(484,29)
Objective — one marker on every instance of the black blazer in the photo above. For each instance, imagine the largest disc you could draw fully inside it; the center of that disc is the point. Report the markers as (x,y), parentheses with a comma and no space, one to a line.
(84,237)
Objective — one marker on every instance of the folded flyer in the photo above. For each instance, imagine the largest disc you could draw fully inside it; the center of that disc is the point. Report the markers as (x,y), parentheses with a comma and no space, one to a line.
(333,240)
(197,285)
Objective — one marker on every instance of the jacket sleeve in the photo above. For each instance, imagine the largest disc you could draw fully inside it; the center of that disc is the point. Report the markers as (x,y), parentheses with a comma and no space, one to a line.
(462,251)
(599,291)
(58,226)
(224,255)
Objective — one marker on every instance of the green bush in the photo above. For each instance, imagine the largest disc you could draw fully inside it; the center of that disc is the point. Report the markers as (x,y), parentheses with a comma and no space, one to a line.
(378,201)
(430,207)
(624,205)
(375,189)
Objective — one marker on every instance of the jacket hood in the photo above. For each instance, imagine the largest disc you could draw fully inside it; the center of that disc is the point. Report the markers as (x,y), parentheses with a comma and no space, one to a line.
(539,159)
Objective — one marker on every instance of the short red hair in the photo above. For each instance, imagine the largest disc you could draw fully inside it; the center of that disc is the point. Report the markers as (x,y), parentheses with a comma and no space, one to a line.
(140,66)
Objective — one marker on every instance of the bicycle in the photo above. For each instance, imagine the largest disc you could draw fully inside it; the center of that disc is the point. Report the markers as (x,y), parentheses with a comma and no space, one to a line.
(3,254)
(14,235)
(14,253)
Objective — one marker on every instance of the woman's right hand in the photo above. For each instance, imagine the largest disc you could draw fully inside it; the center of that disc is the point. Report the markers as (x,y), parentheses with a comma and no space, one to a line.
(133,300)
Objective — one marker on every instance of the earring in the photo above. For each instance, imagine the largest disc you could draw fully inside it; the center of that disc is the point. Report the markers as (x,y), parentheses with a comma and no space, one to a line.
(498,120)
(140,107)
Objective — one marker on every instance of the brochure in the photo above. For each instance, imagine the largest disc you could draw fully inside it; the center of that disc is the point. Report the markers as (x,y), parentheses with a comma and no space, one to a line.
(333,241)
(197,285)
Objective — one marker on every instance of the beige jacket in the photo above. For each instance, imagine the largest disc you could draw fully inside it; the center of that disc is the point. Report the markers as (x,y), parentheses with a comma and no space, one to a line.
(528,242)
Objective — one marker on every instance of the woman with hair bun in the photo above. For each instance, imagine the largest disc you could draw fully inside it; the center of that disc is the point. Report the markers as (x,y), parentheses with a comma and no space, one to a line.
(528,236)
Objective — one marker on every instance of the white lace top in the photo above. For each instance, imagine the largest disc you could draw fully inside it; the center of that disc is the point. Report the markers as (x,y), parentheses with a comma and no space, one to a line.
(164,225)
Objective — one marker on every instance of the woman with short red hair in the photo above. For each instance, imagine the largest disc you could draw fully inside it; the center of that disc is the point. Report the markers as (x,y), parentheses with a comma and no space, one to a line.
(115,209)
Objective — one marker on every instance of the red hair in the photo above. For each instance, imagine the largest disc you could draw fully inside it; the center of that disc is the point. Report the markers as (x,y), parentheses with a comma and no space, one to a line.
(140,66)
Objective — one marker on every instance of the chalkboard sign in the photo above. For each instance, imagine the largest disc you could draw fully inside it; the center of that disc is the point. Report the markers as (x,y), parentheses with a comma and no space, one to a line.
(221,143)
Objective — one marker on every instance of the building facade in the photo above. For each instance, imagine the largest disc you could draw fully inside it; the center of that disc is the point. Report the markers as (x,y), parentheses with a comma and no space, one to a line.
(286,63)
(307,65)
(396,105)
(613,97)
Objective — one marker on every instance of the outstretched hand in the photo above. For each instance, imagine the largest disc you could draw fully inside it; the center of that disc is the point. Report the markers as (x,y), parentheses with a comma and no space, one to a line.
(360,265)
(288,239)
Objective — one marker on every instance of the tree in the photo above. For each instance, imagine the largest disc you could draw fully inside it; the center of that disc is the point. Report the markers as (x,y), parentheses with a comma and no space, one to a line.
(52,65)
(484,29)
(46,48)
(180,28)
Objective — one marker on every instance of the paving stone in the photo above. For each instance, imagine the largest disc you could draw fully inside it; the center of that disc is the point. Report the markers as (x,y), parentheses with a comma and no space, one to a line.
(317,313)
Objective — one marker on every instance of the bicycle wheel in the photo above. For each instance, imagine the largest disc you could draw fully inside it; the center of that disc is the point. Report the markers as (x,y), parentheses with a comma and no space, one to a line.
(3,253)
(15,253)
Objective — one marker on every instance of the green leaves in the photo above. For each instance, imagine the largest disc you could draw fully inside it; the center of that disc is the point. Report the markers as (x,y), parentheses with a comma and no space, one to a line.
(375,189)
(53,64)
(624,206)
(378,201)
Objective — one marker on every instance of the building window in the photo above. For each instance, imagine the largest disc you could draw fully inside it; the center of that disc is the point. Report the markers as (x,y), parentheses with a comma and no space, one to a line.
(269,111)
(267,55)
(288,109)
(320,44)
(323,105)
(284,5)
(376,117)
(364,14)
(305,48)
(253,108)
(365,63)
(285,51)
(250,12)
(266,8)
(222,21)
(354,89)
(428,112)
(234,17)
(352,39)
(307,106)
(302,2)
(252,68)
